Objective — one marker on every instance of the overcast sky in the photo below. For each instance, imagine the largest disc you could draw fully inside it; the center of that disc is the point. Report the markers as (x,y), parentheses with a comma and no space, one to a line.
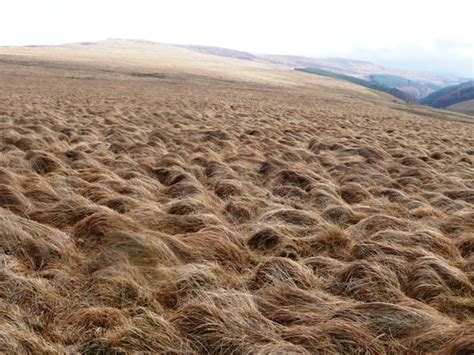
(414,34)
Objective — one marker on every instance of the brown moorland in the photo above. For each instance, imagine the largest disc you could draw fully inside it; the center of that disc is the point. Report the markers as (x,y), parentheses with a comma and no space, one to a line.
(153,199)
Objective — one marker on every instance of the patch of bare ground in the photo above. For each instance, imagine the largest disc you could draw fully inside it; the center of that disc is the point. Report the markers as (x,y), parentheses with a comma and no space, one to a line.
(192,215)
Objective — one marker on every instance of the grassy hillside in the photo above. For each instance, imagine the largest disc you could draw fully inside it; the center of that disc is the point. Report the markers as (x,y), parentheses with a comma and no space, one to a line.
(450,95)
(371,85)
(415,87)
(157,203)
(132,57)
(400,81)
(389,80)
(416,84)
(466,107)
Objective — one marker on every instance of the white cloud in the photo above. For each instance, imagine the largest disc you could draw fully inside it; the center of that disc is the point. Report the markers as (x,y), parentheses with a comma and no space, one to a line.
(320,28)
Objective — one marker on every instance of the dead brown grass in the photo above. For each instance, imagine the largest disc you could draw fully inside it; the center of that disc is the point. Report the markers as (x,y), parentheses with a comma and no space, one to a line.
(185,214)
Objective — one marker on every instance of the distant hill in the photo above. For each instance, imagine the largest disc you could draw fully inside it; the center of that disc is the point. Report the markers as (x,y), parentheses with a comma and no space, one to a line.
(138,59)
(417,85)
(459,98)
(390,80)
(407,85)
(382,85)
(451,95)
(415,88)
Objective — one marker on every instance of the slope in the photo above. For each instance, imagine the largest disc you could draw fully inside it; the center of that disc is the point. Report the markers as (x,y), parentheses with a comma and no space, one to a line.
(466,107)
(191,209)
(415,84)
(146,57)
(450,95)
(374,85)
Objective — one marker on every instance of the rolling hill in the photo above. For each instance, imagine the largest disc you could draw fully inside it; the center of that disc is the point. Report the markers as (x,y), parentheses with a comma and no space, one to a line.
(380,85)
(450,95)
(415,88)
(132,57)
(415,84)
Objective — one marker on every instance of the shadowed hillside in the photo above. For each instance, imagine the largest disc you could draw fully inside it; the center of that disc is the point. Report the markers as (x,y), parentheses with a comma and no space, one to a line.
(450,95)
(158,200)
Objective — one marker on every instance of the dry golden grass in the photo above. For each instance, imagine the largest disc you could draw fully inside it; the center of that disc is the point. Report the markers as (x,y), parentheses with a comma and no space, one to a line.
(466,107)
(182,213)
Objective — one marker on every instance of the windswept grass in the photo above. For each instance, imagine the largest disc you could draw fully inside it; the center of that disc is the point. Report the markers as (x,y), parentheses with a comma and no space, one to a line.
(187,215)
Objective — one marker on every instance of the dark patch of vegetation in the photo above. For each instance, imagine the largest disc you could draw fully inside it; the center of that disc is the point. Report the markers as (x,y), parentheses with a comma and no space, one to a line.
(149,75)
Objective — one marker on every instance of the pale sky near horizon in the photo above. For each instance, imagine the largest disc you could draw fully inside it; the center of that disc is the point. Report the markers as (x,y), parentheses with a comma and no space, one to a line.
(435,35)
